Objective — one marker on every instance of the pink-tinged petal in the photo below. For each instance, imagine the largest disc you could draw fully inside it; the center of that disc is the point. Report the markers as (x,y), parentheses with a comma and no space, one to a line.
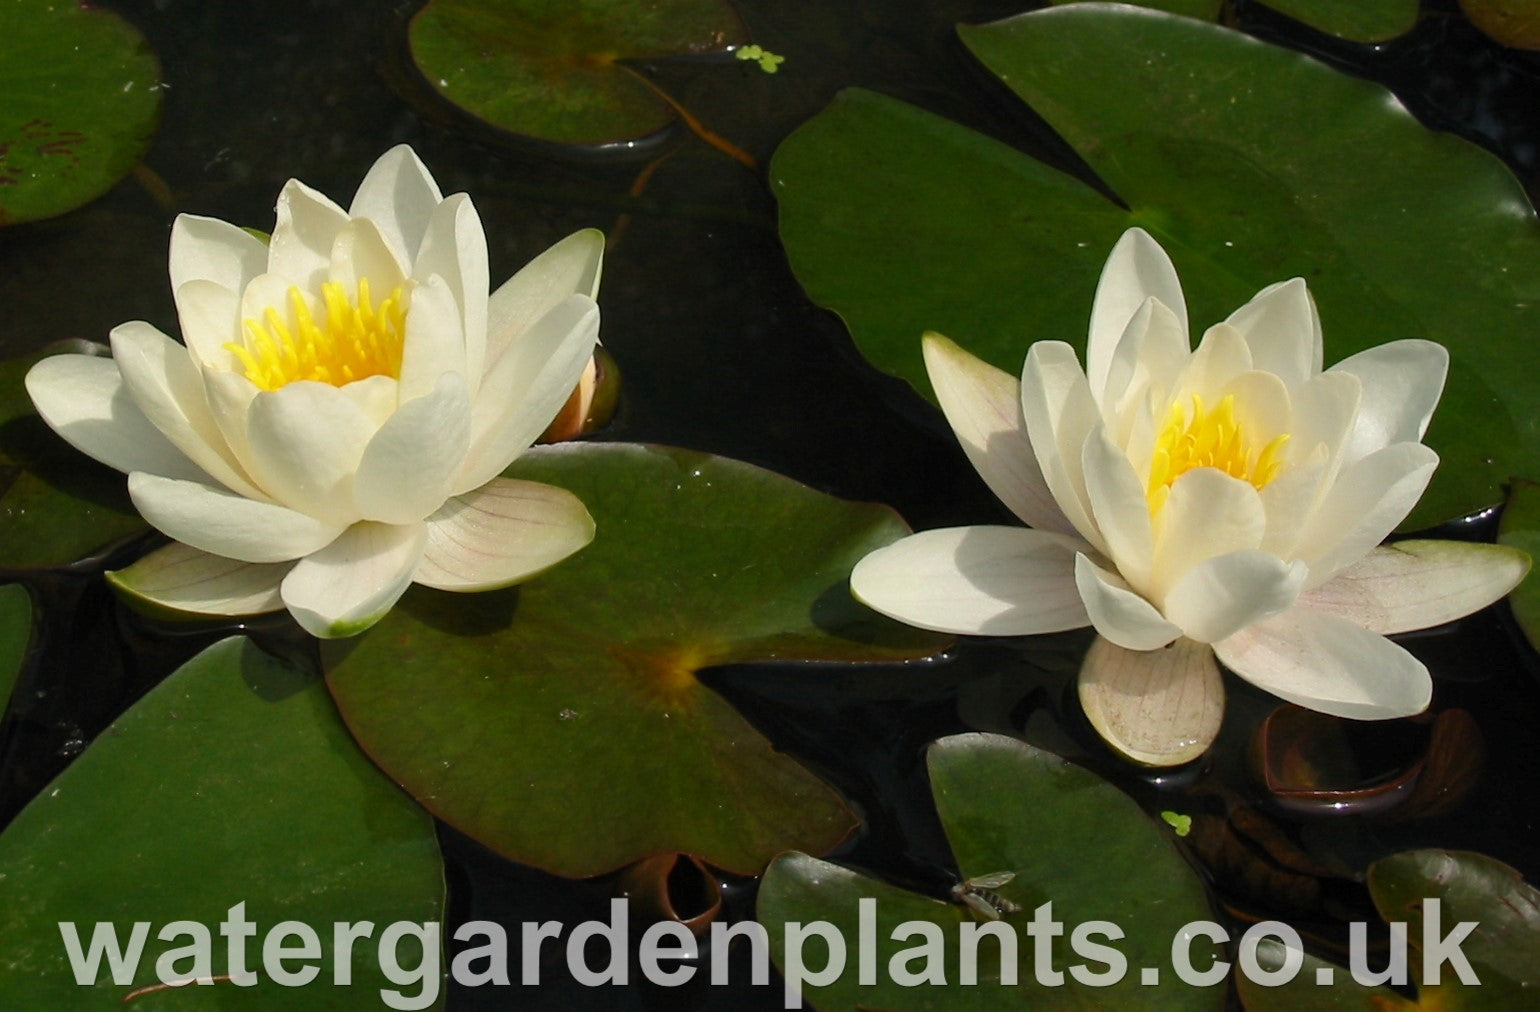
(571,266)
(210,315)
(1283,331)
(1119,507)
(1149,358)
(1157,707)
(435,344)
(502,533)
(1136,270)
(522,393)
(1325,662)
(223,523)
(167,386)
(1371,496)
(405,471)
(83,399)
(207,249)
(455,249)
(306,440)
(186,580)
(1060,413)
(1224,595)
(1119,614)
(1419,584)
(983,406)
(985,581)
(1402,382)
(360,251)
(301,247)
(398,194)
(1207,514)
(349,585)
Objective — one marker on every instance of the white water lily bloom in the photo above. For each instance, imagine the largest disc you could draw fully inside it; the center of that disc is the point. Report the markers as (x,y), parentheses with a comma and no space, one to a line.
(348,393)
(1226,501)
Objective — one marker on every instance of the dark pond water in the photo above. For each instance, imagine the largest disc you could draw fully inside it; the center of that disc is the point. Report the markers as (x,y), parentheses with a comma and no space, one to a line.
(722,352)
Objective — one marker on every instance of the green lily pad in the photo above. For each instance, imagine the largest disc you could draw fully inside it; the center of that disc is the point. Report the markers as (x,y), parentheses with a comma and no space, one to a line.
(1318,984)
(1021,823)
(1251,164)
(82,99)
(1520,528)
(1204,10)
(15,634)
(563,723)
(1514,23)
(56,504)
(1359,21)
(232,782)
(559,72)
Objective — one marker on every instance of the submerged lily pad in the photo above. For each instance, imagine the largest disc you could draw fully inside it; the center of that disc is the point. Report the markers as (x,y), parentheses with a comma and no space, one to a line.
(559,72)
(1520,528)
(82,99)
(563,723)
(232,782)
(1514,23)
(1027,829)
(1250,164)
(15,634)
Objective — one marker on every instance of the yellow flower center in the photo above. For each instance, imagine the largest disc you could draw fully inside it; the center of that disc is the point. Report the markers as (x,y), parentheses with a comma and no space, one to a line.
(356,339)
(1204,438)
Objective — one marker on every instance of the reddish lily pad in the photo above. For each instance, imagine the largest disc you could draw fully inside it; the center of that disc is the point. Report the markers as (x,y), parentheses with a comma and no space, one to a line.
(564,723)
(82,99)
(561,72)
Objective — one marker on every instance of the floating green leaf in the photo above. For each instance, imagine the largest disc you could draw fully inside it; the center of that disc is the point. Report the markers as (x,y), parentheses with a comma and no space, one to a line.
(1520,528)
(15,634)
(82,98)
(232,782)
(1318,984)
(1205,10)
(560,72)
(1027,820)
(1250,163)
(563,723)
(1514,23)
(1360,21)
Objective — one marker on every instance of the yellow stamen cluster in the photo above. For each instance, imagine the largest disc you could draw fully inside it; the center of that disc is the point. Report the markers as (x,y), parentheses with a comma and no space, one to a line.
(1204,438)
(356,340)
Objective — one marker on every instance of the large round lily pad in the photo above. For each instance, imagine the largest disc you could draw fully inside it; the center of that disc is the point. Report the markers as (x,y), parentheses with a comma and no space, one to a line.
(563,723)
(555,71)
(232,782)
(82,99)
(1251,164)
(1055,834)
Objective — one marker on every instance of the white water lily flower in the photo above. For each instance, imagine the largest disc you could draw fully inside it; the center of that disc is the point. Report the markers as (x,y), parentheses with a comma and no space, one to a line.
(1226,501)
(335,426)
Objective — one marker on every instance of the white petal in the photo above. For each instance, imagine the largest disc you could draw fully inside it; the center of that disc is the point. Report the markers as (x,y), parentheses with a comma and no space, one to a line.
(359,251)
(1137,269)
(301,247)
(1290,500)
(306,440)
(223,523)
(571,266)
(502,533)
(398,194)
(528,385)
(83,399)
(1149,358)
(1262,405)
(1220,597)
(1207,514)
(1283,331)
(1371,496)
(350,584)
(989,581)
(983,406)
(1157,707)
(229,397)
(1419,584)
(207,249)
(1118,613)
(1327,663)
(276,292)
(455,249)
(1221,356)
(1402,382)
(405,471)
(185,579)
(1057,406)
(1119,507)
(435,343)
(210,315)
(167,386)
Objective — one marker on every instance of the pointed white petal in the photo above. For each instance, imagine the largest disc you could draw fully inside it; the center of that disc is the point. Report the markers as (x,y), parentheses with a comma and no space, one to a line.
(210,315)
(1057,406)
(571,266)
(435,343)
(987,581)
(455,249)
(502,533)
(1149,358)
(405,471)
(83,399)
(983,406)
(1220,597)
(350,584)
(301,247)
(1324,662)
(1157,707)
(223,523)
(1402,382)
(1137,269)
(1119,507)
(306,440)
(360,251)
(1419,584)
(186,580)
(1283,331)
(1118,613)
(398,194)
(1207,514)
(215,251)
(1371,496)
